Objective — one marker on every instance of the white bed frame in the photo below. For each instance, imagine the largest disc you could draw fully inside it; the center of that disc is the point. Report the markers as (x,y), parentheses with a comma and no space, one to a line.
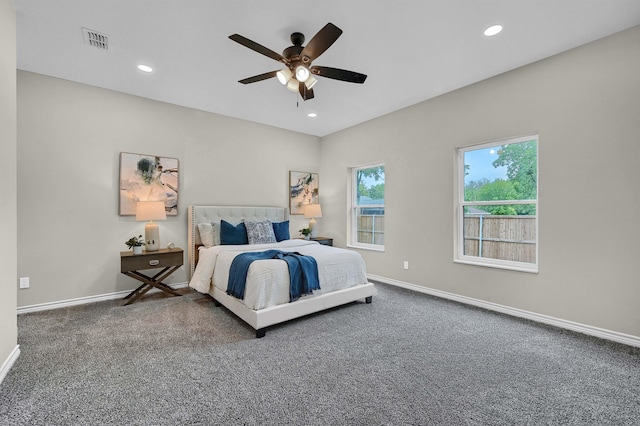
(264,318)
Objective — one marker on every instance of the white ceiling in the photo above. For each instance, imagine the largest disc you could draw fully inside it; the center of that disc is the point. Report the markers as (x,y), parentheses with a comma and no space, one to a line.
(411,50)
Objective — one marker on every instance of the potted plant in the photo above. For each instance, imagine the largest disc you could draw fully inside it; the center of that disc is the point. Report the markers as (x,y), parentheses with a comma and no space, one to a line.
(306,232)
(136,244)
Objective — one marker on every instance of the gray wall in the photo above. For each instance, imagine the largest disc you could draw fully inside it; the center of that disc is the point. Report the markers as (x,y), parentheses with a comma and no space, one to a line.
(70,233)
(8,212)
(585,105)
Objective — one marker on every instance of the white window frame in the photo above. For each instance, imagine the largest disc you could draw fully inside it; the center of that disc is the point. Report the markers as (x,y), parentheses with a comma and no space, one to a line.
(352,222)
(460,203)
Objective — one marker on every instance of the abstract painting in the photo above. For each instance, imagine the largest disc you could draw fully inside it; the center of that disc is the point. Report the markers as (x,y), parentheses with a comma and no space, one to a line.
(303,190)
(148,178)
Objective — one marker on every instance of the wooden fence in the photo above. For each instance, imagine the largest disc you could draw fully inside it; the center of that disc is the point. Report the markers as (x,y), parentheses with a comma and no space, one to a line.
(501,237)
(371,229)
(495,237)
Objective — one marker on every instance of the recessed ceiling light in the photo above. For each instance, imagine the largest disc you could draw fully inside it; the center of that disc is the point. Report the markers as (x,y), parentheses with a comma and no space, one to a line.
(493,30)
(312,115)
(145,68)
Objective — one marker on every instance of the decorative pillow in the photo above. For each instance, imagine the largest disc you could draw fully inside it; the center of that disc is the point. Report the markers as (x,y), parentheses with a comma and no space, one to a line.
(206,231)
(281,230)
(233,235)
(260,232)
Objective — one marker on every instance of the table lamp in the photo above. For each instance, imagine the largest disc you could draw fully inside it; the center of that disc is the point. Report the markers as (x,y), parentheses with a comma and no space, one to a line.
(151,210)
(312,211)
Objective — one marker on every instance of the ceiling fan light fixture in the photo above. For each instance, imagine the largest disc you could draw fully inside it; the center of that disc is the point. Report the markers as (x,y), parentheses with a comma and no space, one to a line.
(310,82)
(293,85)
(302,73)
(284,76)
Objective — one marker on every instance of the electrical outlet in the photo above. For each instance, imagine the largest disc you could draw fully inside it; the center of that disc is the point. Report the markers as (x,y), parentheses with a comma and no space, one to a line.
(406,264)
(24,282)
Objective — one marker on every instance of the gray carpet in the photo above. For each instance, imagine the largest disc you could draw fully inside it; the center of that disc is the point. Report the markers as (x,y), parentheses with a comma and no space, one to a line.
(405,359)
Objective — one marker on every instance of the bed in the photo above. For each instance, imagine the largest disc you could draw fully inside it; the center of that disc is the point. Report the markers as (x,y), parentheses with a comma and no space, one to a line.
(342,273)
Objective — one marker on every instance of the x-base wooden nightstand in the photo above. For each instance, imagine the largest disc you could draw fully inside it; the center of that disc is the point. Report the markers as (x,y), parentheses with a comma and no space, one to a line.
(167,259)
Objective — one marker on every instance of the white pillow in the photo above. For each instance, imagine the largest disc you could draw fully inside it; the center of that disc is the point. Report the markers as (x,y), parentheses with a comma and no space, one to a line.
(209,234)
(260,232)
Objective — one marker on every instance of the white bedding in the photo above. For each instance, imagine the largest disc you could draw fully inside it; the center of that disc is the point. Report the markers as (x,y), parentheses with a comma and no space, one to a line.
(268,280)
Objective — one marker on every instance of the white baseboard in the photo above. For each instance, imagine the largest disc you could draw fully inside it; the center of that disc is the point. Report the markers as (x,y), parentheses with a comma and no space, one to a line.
(89,299)
(625,339)
(6,366)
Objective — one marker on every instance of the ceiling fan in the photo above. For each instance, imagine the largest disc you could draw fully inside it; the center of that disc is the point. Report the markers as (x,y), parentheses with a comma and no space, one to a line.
(298,74)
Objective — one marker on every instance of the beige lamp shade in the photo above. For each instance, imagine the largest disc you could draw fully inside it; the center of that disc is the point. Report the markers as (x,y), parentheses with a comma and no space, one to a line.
(151,210)
(313,211)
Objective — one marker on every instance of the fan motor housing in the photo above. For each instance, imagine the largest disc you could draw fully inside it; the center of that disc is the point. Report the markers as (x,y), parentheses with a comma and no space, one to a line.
(292,52)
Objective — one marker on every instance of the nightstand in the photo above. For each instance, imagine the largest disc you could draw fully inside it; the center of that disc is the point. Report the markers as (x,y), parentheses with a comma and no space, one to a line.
(167,259)
(323,240)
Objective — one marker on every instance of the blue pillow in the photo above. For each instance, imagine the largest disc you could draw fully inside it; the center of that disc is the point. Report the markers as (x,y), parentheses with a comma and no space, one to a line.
(233,235)
(281,229)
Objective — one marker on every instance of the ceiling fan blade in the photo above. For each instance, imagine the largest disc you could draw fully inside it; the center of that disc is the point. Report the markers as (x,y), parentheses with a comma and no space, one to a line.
(338,74)
(304,92)
(258,48)
(257,78)
(320,42)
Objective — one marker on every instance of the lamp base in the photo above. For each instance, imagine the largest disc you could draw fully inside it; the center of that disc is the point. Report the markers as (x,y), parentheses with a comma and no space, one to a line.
(152,236)
(312,226)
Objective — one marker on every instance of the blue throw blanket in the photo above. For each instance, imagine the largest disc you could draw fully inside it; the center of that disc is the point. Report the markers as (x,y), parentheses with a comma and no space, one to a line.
(303,272)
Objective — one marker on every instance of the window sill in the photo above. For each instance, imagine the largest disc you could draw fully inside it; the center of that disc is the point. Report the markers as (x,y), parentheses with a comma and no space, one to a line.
(369,247)
(511,266)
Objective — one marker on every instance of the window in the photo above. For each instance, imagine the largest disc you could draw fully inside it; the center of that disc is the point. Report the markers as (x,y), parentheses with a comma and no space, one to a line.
(367,207)
(497,204)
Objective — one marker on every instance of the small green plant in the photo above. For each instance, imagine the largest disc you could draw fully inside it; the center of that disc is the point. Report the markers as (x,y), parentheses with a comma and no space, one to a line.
(134,241)
(305,231)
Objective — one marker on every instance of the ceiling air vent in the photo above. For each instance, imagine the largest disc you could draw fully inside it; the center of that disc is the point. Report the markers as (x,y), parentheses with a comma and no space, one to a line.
(96,39)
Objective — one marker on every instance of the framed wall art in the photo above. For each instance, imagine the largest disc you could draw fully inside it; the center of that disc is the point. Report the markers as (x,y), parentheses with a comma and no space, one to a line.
(303,190)
(148,178)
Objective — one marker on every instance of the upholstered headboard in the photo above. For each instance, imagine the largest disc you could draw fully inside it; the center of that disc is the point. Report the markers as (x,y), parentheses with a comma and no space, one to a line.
(232,214)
